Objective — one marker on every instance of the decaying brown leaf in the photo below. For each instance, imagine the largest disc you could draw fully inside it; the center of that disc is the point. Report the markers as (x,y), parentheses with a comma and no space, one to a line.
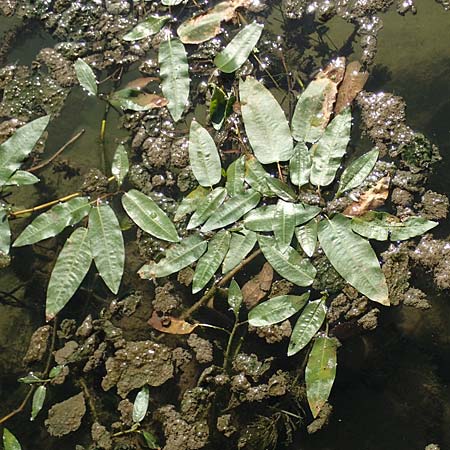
(257,288)
(140,83)
(352,84)
(150,100)
(370,200)
(171,325)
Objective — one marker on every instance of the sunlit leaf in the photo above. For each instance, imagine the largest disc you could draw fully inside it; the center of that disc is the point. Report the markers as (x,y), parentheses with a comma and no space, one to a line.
(383,226)
(232,210)
(265,123)
(5,233)
(300,165)
(328,151)
(235,297)
(105,237)
(15,149)
(256,176)
(22,178)
(120,164)
(241,244)
(203,156)
(276,309)
(174,72)
(357,171)
(238,50)
(141,82)
(171,325)
(288,264)
(148,216)
(136,100)
(307,325)
(70,269)
(53,221)
(208,264)
(320,372)
(140,405)
(86,76)
(10,442)
(307,237)
(38,401)
(284,224)
(176,258)
(207,207)
(260,219)
(353,258)
(191,202)
(148,27)
(351,86)
(235,177)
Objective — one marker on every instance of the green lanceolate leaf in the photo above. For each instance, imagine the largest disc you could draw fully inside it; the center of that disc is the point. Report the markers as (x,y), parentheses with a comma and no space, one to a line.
(207,207)
(265,123)
(120,164)
(203,155)
(300,165)
(284,224)
(177,257)
(5,233)
(238,50)
(235,297)
(15,149)
(220,106)
(256,176)
(309,120)
(209,263)
(53,221)
(281,189)
(174,72)
(260,219)
(320,372)
(235,177)
(329,150)
(70,269)
(241,244)
(148,216)
(148,27)
(38,401)
(307,325)
(276,309)
(191,202)
(289,264)
(150,439)
(10,442)
(170,3)
(22,178)
(353,258)
(383,226)
(232,210)
(307,237)
(86,76)
(105,237)
(357,171)
(140,405)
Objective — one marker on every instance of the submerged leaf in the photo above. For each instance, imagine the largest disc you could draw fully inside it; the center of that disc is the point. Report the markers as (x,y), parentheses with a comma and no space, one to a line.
(22,178)
(86,76)
(353,258)
(120,164)
(288,264)
(174,71)
(235,297)
(5,233)
(328,151)
(148,27)
(140,405)
(38,401)
(241,244)
(307,325)
(276,309)
(208,206)
(177,257)
(171,325)
(257,287)
(265,123)
(53,221)
(70,269)
(191,202)
(203,156)
(300,165)
(208,264)
(220,106)
(238,50)
(136,100)
(351,86)
(148,216)
(307,237)
(150,439)
(105,237)
(10,442)
(320,372)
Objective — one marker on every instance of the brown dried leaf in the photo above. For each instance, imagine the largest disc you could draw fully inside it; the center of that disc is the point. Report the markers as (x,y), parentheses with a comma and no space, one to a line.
(151,100)
(171,325)
(370,200)
(351,86)
(257,288)
(140,83)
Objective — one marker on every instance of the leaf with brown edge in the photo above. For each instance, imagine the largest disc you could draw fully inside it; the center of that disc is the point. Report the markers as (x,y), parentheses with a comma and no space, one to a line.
(370,200)
(171,325)
(151,100)
(352,84)
(141,82)
(257,288)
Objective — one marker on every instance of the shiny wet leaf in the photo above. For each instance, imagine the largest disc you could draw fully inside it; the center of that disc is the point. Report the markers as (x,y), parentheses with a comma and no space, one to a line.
(86,76)
(242,242)
(120,164)
(140,405)
(150,26)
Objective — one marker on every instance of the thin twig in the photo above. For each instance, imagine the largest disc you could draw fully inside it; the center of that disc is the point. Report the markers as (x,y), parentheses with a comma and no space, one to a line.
(58,152)
(20,408)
